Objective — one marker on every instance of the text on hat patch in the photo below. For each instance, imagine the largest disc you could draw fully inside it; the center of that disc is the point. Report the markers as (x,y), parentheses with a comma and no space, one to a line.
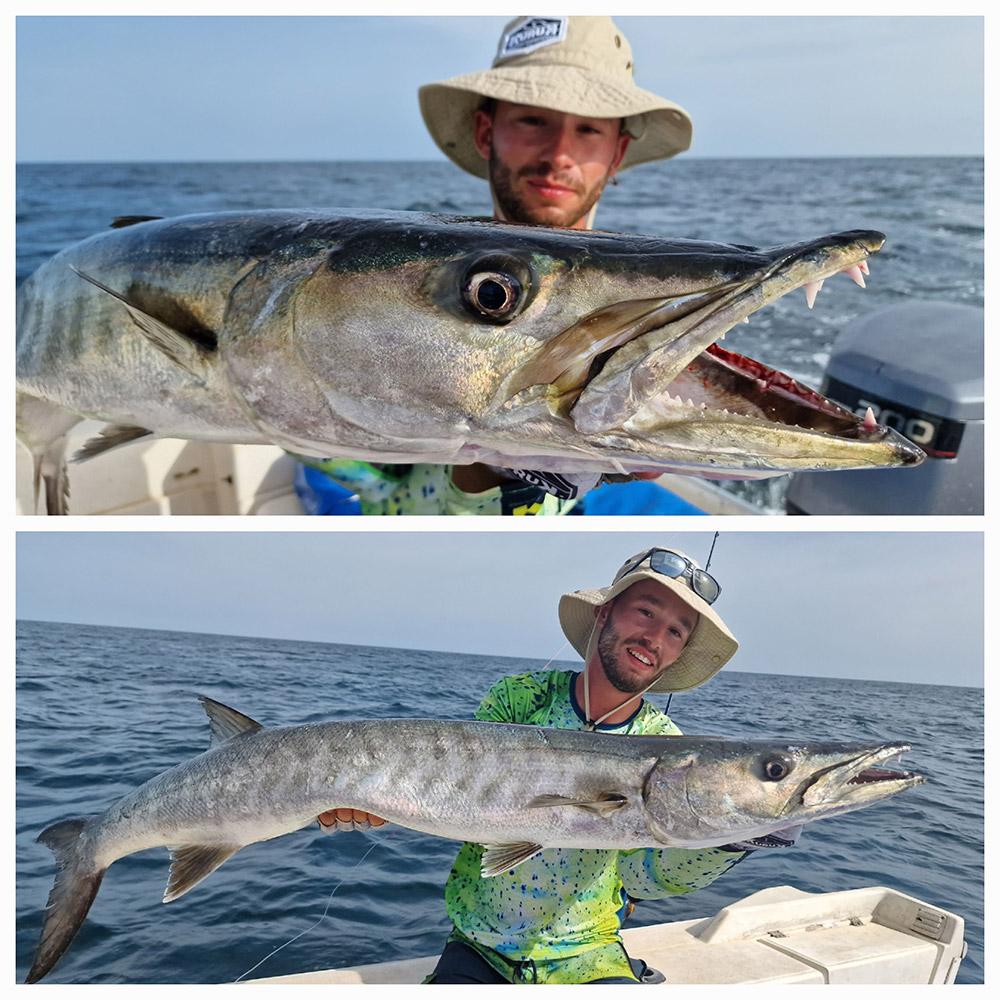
(535,33)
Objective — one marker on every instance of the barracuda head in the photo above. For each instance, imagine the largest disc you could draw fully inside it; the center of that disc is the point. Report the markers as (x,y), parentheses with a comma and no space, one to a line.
(719,791)
(455,340)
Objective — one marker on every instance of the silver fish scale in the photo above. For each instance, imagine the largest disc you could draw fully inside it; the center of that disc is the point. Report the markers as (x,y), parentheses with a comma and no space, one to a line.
(466,781)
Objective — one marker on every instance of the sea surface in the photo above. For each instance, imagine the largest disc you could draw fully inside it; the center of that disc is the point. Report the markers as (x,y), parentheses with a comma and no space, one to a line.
(101,710)
(930,208)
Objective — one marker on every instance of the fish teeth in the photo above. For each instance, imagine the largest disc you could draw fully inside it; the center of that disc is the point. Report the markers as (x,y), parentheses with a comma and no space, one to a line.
(870,423)
(855,274)
(812,290)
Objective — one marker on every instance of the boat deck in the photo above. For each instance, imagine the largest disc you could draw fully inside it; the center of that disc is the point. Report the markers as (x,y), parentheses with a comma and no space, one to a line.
(778,935)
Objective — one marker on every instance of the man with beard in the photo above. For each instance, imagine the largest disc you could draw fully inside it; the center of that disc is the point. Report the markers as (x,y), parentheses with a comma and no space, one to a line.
(554,119)
(556,917)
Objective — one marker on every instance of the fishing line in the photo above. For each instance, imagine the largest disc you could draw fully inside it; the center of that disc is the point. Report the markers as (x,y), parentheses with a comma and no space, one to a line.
(556,653)
(329,900)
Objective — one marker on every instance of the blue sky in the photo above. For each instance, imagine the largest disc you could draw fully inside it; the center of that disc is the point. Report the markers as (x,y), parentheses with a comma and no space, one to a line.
(329,88)
(902,606)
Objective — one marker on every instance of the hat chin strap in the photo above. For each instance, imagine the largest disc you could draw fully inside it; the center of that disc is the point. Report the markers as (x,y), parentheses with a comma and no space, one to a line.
(591,726)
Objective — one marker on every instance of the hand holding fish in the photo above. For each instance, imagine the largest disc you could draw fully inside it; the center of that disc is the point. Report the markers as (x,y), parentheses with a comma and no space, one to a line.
(788,837)
(347,819)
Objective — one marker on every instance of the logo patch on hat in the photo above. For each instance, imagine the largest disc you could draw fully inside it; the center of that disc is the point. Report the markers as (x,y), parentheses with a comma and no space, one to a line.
(535,33)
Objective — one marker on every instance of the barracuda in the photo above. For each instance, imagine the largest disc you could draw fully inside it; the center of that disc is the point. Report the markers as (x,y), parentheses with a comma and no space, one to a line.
(401,337)
(517,789)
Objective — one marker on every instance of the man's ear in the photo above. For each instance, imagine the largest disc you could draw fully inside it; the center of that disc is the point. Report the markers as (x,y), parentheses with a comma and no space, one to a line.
(482,133)
(623,140)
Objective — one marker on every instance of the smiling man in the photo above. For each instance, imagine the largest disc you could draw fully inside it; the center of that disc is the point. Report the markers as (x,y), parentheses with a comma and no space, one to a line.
(556,917)
(552,121)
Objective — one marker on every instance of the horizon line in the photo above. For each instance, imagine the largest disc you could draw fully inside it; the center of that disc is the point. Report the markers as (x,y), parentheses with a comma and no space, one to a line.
(457,652)
(728,156)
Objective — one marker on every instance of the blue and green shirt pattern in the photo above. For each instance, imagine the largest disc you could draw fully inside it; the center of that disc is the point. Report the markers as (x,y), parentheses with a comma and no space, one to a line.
(428,489)
(562,910)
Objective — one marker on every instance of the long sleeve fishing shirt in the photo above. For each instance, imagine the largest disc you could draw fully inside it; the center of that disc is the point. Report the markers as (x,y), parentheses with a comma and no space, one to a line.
(560,913)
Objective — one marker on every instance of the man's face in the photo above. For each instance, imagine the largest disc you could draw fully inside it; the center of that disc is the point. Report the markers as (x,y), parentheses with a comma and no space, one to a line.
(548,168)
(642,634)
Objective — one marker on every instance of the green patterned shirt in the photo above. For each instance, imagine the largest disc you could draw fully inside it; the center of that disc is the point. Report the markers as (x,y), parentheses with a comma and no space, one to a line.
(562,910)
(428,489)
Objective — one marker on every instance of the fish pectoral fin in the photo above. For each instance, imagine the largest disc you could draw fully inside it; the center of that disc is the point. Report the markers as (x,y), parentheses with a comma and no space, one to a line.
(500,858)
(182,350)
(190,864)
(602,806)
(225,722)
(110,437)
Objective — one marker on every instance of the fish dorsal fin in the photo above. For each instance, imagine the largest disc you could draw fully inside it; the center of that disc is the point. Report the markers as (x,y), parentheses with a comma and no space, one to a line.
(603,805)
(500,858)
(121,221)
(111,437)
(190,864)
(182,350)
(226,722)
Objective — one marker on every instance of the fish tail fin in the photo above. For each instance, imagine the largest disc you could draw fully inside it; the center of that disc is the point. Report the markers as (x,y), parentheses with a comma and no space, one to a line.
(74,889)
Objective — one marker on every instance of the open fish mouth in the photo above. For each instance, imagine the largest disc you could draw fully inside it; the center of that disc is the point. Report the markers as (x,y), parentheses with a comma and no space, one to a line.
(647,365)
(860,780)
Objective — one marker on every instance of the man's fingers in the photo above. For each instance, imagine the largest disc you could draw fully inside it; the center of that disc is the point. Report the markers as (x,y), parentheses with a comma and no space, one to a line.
(349,819)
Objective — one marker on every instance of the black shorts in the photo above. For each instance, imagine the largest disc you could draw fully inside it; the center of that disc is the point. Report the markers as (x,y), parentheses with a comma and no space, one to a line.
(461,964)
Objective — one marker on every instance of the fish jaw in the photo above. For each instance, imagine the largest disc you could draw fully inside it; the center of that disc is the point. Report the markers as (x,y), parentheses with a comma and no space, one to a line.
(859,781)
(716,792)
(647,366)
(786,428)
(667,397)
(731,413)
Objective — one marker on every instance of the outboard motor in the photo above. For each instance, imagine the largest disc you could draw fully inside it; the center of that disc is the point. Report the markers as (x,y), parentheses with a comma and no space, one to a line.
(919,366)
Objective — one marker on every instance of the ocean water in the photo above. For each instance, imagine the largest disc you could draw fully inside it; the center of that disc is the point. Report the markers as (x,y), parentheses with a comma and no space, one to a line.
(930,208)
(100,710)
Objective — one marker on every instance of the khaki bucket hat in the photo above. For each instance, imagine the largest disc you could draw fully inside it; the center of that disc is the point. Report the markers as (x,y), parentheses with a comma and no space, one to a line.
(577,65)
(709,648)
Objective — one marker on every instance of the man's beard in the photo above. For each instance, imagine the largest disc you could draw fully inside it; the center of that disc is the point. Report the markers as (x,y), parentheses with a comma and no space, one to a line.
(514,209)
(609,661)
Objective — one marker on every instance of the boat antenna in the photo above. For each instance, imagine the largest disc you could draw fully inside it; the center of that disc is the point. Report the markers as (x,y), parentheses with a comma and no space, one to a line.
(708,562)
(711,550)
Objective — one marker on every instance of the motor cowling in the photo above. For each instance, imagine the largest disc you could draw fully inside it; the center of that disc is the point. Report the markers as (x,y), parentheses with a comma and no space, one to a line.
(919,366)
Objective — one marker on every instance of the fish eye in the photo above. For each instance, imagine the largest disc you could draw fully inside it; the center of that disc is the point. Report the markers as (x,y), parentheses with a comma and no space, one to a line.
(493,294)
(775,768)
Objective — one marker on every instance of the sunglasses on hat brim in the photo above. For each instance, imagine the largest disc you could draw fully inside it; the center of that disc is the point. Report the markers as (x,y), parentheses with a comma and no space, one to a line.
(674,565)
